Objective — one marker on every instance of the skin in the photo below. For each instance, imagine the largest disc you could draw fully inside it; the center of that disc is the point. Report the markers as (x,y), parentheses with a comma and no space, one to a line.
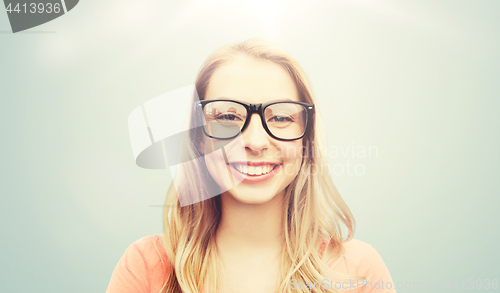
(250,236)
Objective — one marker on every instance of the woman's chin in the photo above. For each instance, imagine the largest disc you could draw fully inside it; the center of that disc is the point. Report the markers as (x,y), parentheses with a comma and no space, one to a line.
(255,197)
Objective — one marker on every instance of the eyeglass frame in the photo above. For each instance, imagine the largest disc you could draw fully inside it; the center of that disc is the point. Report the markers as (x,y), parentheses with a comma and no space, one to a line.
(257,109)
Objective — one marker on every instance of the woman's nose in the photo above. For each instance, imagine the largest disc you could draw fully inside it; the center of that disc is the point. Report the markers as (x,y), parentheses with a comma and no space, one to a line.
(255,136)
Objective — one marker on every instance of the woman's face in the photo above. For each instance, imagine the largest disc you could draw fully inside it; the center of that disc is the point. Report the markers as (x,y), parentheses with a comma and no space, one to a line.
(253,152)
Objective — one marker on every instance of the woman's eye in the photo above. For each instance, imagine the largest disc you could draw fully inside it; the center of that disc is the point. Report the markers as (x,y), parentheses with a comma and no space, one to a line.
(228,117)
(281,119)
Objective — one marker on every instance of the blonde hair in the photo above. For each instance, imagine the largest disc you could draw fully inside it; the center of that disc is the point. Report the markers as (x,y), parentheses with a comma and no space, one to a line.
(313,209)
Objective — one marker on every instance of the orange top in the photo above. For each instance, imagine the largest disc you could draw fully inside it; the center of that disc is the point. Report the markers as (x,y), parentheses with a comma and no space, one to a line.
(141,270)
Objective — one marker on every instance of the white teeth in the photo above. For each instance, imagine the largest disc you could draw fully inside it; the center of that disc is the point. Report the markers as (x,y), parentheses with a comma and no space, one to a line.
(251,170)
(258,170)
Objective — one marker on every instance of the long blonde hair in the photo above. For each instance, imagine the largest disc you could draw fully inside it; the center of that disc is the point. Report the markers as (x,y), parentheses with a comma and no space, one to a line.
(313,209)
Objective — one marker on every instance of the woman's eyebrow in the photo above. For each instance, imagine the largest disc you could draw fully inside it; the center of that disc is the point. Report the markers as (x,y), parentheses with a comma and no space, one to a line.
(278,100)
(282,100)
(275,100)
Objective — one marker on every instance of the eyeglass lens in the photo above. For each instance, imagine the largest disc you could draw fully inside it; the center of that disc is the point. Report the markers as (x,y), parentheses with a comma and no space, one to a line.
(226,119)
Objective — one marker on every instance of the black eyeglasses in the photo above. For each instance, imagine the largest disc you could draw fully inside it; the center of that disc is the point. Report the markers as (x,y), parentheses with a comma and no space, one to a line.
(282,120)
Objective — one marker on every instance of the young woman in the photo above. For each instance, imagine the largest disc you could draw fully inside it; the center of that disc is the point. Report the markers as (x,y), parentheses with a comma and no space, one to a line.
(277,222)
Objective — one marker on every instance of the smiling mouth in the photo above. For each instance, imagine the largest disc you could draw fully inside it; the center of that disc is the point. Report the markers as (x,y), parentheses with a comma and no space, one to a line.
(254,170)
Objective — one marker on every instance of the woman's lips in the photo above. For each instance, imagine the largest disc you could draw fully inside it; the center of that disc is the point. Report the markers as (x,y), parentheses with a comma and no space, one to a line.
(252,171)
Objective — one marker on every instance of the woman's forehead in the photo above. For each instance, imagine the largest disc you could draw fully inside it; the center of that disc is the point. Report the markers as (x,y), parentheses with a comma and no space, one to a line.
(250,80)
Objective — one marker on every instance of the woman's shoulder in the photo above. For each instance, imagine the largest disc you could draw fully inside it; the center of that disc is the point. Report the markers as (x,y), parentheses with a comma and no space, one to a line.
(361,259)
(151,248)
(360,252)
(142,267)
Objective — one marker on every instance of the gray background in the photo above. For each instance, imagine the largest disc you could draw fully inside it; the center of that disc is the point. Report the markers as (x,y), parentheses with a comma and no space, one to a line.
(416,79)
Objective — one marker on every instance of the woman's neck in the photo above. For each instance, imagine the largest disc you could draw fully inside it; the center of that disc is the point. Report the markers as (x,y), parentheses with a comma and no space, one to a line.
(251,226)
(249,243)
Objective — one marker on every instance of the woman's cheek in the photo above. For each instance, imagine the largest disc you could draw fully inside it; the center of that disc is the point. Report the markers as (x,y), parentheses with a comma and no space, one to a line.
(217,168)
(292,158)
(216,154)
